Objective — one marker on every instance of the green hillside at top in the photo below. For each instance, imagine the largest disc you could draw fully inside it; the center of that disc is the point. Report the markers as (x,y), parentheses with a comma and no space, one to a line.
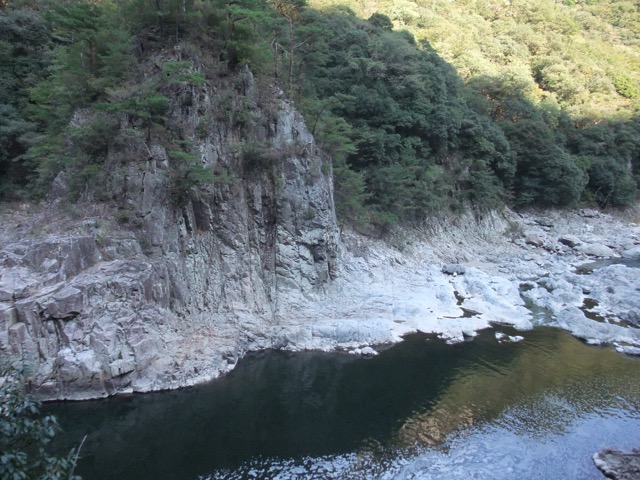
(424,107)
(583,56)
(540,107)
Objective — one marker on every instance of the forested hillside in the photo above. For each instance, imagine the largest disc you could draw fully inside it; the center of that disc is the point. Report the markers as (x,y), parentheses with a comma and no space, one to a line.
(561,80)
(423,106)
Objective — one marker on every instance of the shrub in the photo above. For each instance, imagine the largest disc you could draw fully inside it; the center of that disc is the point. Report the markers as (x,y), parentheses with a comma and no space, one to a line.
(187,173)
(25,434)
(258,156)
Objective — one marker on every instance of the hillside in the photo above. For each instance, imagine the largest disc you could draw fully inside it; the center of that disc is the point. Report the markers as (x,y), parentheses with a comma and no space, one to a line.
(422,107)
(170,208)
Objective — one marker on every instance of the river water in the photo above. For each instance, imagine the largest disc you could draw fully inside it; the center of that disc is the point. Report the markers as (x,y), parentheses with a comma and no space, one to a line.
(421,409)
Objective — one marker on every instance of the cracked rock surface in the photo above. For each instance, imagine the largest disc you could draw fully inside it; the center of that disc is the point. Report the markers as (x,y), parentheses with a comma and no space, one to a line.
(618,465)
(146,294)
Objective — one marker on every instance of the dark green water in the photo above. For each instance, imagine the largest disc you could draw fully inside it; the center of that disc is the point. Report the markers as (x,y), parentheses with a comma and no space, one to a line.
(421,409)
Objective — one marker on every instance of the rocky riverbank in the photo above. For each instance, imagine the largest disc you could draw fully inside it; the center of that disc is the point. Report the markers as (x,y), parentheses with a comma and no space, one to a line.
(140,286)
(99,317)
(454,279)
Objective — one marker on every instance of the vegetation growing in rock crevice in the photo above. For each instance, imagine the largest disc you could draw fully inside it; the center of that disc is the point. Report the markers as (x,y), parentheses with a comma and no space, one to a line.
(501,111)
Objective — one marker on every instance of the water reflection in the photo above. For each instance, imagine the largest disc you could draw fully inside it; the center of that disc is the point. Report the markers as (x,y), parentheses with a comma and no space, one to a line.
(549,366)
(315,413)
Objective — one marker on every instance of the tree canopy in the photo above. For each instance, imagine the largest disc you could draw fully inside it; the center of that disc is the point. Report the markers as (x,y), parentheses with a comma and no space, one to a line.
(423,106)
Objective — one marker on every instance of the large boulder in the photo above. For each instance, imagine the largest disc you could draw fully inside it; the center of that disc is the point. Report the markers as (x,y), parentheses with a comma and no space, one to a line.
(617,464)
(570,240)
(589,213)
(534,239)
(597,250)
(631,253)
(453,269)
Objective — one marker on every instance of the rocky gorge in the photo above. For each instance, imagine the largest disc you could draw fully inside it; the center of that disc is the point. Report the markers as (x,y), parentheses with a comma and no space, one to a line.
(144,294)
(100,317)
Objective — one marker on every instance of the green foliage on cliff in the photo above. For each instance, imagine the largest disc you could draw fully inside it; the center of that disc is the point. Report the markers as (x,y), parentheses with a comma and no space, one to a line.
(422,106)
(415,141)
(25,39)
(186,173)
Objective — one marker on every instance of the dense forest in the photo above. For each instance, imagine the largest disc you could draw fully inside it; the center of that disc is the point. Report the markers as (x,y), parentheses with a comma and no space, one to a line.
(424,106)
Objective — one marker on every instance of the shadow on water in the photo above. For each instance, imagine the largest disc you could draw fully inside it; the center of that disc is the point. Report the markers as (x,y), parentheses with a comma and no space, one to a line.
(285,405)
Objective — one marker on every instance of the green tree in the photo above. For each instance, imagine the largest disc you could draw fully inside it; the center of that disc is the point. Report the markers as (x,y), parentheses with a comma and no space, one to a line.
(610,183)
(291,10)
(143,105)
(170,18)
(547,175)
(78,22)
(187,173)
(381,21)
(25,40)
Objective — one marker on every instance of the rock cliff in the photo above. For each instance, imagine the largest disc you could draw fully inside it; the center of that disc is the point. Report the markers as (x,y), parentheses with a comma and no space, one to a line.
(156,287)
(149,292)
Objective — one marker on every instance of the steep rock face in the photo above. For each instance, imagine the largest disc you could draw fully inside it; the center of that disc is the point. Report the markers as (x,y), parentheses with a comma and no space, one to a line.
(167,292)
(164,286)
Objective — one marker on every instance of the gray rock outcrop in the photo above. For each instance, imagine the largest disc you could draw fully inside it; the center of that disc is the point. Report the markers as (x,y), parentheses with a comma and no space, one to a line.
(534,239)
(618,465)
(162,289)
(161,294)
(453,269)
(570,240)
(597,250)
(631,253)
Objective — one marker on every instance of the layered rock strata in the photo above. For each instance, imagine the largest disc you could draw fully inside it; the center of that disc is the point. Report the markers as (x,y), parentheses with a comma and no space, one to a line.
(151,292)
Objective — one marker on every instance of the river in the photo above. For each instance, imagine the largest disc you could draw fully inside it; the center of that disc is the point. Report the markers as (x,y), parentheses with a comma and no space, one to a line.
(421,409)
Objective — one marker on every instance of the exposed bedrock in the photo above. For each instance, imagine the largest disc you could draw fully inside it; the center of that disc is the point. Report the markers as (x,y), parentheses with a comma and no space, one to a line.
(618,465)
(154,294)
(157,294)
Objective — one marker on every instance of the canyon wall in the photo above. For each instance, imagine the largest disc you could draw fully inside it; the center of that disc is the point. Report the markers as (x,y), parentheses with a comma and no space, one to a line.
(149,291)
